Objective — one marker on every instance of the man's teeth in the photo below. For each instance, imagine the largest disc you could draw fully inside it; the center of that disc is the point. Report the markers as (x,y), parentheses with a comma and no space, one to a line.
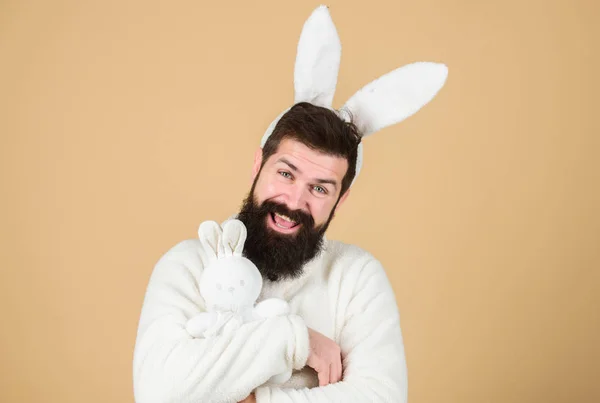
(288,219)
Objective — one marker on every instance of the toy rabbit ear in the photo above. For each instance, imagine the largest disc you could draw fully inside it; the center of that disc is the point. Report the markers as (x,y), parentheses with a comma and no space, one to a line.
(317,60)
(394,96)
(210,236)
(234,236)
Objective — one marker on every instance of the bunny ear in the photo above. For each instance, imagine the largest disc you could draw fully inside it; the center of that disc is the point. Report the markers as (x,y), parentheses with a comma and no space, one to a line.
(317,60)
(210,236)
(317,64)
(394,96)
(234,236)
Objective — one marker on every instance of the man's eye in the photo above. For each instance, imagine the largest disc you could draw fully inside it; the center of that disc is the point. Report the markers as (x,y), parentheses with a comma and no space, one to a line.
(285,174)
(320,189)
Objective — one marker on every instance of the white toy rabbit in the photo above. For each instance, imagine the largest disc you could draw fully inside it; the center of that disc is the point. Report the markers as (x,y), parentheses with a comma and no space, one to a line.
(230,285)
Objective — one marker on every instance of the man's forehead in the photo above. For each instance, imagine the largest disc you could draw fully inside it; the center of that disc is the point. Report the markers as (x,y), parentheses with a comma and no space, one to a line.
(308,160)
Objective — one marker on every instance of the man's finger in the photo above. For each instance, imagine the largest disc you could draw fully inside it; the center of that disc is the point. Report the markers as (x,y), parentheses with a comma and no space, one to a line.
(333,372)
(324,376)
(336,371)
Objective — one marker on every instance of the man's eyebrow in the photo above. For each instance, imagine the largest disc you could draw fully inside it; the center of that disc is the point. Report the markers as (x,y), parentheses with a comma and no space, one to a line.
(332,182)
(285,161)
(329,181)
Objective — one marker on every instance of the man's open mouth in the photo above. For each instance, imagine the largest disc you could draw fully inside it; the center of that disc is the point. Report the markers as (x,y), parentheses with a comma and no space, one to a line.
(283,222)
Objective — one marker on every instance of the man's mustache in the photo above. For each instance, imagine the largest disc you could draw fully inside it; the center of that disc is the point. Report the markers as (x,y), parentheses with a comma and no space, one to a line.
(300,217)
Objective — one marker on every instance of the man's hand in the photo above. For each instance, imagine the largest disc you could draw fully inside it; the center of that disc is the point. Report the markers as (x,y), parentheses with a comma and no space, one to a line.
(324,357)
(250,399)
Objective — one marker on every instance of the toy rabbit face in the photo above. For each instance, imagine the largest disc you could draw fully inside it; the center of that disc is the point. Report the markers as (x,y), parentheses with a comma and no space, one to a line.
(231,283)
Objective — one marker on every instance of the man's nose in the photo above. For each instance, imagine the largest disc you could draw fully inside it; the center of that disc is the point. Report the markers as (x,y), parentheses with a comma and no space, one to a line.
(297,198)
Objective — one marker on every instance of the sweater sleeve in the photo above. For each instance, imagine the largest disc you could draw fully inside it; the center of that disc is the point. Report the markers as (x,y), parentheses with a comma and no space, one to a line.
(374,366)
(171,366)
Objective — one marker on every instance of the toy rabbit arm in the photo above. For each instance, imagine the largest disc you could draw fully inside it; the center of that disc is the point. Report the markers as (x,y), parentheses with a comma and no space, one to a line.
(372,348)
(201,323)
(271,307)
(170,365)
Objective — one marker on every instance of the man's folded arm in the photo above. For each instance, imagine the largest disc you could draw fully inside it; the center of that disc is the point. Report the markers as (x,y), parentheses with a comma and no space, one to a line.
(171,366)
(372,350)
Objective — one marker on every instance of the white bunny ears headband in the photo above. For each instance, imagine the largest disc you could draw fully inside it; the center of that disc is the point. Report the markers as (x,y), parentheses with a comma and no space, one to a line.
(383,102)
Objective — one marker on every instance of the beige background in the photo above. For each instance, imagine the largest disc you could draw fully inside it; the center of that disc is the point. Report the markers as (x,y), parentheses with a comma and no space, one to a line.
(124,125)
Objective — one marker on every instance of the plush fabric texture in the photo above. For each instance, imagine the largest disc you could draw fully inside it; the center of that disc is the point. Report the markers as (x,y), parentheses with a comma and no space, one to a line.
(318,60)
(344,293)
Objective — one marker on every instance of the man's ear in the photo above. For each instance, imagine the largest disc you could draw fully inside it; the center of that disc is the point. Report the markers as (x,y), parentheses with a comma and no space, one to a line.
(342,199)
(257,163)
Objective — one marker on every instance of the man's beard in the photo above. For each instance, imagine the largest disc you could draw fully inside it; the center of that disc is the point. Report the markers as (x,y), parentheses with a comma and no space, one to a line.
(279,256)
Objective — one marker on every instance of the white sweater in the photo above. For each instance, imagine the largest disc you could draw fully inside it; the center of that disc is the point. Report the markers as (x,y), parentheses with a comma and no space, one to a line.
(344,293)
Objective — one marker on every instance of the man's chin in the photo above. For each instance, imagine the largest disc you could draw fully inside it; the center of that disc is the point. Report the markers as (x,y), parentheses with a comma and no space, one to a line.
(279,253)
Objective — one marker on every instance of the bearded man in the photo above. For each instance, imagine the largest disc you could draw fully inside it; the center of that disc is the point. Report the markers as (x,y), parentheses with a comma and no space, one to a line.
(342,338)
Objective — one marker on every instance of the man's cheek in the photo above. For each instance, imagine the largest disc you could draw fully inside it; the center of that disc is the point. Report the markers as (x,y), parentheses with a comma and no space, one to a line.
(271,189)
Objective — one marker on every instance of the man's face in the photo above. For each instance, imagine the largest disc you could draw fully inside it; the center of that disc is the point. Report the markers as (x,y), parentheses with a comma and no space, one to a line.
(303,180)
(292,202)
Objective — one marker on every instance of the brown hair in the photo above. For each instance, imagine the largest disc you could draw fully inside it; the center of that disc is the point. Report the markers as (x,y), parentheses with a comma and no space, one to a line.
(320,129)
